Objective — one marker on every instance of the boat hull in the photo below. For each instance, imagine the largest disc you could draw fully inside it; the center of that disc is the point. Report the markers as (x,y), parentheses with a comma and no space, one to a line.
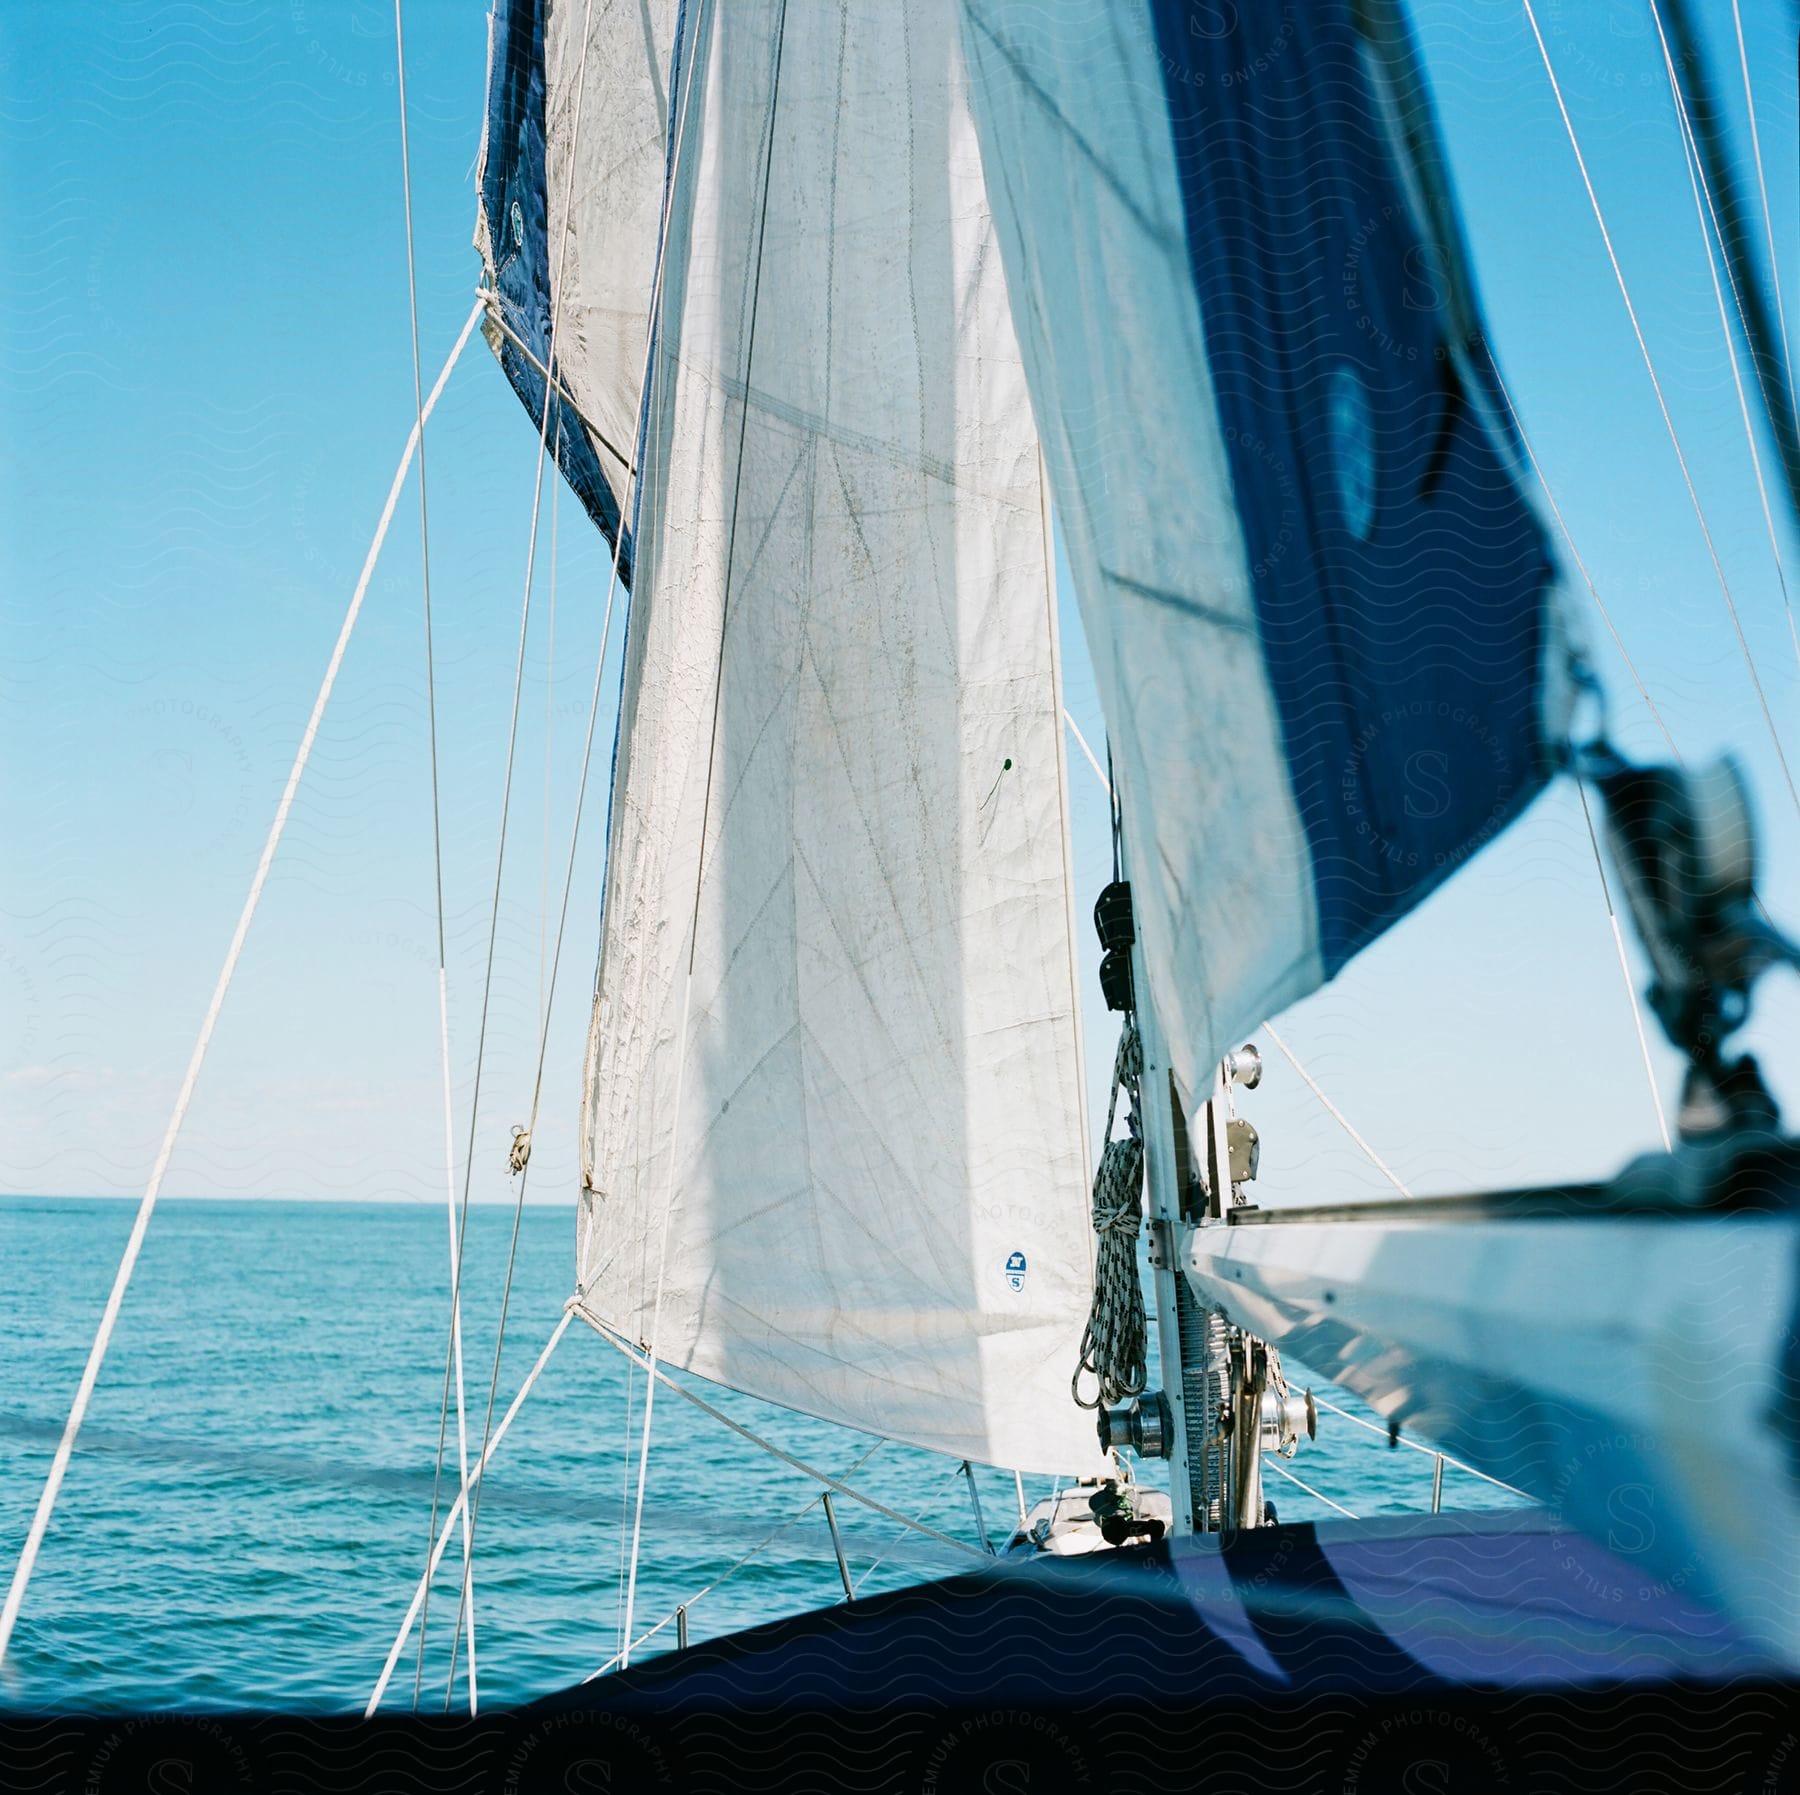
(1632,1371)
(1431,1652)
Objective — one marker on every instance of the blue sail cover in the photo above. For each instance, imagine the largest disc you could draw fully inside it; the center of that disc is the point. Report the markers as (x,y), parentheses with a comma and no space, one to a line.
(1323,611)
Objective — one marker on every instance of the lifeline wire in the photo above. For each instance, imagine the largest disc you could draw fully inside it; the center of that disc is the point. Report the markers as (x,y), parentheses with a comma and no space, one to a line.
(731,1570)
(1415,1446)
(1280,1469)
(40,1520)
(660,1376)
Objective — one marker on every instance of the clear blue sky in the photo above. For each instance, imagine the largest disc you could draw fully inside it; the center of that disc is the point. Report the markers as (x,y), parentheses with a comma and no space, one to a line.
(204,387)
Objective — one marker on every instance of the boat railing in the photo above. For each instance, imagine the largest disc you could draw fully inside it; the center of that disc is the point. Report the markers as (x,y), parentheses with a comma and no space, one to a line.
(1392,1437)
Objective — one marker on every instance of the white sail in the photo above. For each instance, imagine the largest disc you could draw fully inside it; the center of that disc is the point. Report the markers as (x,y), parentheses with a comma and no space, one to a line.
(577,134)
(606,121)
(833,1146)
(1323,615)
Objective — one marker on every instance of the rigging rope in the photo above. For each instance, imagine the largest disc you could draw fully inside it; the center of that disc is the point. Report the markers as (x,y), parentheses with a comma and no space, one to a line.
(1702,192)
(1337,1115)
(1612,916)
(512,743)
(637,1525)
(1081,742)
(1662,404)
(40,1520)
(1762,185)
(437,867)
(1114,1350)
(435,1558)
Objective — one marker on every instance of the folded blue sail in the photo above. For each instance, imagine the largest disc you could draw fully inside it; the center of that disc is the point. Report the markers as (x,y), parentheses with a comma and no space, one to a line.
(577,121)
(1323,611)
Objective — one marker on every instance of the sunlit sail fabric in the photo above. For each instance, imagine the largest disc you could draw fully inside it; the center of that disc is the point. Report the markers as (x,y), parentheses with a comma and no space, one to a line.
(1322,612)
(577,122)
(832,1143)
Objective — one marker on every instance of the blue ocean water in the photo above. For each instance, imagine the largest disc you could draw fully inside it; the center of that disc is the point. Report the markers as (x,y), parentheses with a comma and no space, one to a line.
(246,1514)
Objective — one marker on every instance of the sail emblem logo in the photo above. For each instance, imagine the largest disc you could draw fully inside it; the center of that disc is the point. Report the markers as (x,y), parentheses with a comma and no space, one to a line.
(1015,1271)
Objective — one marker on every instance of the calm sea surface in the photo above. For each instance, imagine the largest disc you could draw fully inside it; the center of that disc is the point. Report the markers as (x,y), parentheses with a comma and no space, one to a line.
(246,1514)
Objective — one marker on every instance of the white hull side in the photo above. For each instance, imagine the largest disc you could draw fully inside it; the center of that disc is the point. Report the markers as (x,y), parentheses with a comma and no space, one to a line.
(1626,1370)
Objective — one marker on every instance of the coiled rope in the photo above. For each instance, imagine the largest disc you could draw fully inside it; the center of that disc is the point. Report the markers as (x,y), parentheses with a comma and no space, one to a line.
(1113,1347)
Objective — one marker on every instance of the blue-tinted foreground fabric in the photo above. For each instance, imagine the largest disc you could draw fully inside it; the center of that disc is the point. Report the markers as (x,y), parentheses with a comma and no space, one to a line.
(1400,576)
(1475,1653)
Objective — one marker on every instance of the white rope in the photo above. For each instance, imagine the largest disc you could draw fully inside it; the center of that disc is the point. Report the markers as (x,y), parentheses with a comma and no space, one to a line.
(1637,1017)
(1662,403)
(620,1658)
(443,1539)
(658,1375)
(1337,1115)
(1081,742)
(1274,1464)
(512,744)
(1703,209)
(40,1520)
(1415,1446)
(437,851)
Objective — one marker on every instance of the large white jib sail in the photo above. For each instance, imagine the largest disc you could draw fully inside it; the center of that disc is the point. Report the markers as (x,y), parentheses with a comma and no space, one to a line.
(832,1140)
